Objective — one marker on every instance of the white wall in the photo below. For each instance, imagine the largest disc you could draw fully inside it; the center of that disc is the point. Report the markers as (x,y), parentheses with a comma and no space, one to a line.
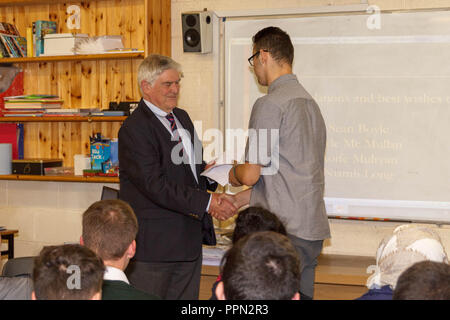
(197,97)
(45,213)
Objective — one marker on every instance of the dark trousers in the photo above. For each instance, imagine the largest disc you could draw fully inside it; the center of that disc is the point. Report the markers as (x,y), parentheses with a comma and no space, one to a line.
(308,251)
(168,280)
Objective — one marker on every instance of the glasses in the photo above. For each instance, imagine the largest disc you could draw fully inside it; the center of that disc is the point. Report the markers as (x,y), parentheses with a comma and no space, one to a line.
(250,60)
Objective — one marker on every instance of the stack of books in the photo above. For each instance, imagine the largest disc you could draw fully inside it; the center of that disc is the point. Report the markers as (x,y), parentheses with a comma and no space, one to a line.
(30,105)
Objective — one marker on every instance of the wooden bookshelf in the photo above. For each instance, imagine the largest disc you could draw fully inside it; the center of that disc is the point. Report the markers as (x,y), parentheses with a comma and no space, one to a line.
(25,177)
(63,119)
(77,57)
(85,81)
(26,2)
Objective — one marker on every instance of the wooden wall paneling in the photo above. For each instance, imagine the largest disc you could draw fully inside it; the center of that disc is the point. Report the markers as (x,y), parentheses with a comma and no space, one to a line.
(54,140)
(129,81)
(65,143)
(76,142)
(103,83)
(63,77)
(75,84)
(89,84)
(155,16)
(31,140)
(135,20)
(166,30)
(60,16)
(19,19)
(131,31)
(136,85)
(44,135)
(85,133)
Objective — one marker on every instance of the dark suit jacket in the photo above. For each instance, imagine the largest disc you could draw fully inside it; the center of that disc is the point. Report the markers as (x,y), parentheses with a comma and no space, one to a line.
(168,202)
(120,290)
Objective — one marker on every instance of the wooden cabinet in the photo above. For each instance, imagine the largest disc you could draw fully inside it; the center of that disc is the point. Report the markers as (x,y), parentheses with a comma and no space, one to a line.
(86,81)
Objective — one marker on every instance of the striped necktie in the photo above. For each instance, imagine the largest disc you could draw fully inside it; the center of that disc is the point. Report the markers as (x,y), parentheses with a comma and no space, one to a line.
(173,126)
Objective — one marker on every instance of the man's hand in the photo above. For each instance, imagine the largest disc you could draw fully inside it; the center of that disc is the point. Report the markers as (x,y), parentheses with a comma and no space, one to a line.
(210,164)
(221,207)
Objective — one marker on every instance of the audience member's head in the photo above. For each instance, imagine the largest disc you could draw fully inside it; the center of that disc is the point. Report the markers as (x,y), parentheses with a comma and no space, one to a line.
(426,280)
(254,219)
(109,229)
(260,266)
(407,245)
(67,272)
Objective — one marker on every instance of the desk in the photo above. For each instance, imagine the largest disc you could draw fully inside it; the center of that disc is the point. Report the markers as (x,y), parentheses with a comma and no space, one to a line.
(9,236)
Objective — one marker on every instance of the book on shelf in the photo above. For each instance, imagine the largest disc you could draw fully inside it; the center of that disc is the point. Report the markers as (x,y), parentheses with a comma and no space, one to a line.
(30,42)
(33,102)
(4,53)
(32,114)
(21,43)
(11,113)
(109,113)
(82,112)
(41,28)
(59,112)
(11,46)
(8,28)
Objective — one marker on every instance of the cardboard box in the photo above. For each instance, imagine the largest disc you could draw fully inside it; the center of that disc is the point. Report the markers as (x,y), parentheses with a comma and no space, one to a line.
(58,44)
(34,166)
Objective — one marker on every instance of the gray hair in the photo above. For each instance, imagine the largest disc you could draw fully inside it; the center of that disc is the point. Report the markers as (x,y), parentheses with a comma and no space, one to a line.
(152,66)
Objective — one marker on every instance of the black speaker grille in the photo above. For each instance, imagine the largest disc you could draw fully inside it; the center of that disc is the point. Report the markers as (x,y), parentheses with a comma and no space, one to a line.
(191,20)
(192,37)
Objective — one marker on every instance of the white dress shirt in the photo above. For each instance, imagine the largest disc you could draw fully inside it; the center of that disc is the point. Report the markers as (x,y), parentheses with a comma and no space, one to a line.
(115,274)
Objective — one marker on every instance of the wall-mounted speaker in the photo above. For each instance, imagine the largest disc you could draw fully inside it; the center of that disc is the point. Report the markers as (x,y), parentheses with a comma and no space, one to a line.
(197,31)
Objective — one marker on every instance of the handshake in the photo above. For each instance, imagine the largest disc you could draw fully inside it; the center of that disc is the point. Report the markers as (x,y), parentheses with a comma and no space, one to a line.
(223,206)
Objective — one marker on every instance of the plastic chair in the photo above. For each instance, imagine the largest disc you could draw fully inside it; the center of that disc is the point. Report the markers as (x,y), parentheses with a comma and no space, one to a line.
(18,267)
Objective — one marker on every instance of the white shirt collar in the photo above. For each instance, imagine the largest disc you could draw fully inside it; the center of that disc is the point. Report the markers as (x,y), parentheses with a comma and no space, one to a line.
(155,109)
(112,273)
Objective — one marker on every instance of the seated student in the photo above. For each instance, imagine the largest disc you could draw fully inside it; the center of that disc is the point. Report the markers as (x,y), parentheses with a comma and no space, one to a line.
(261,266)
(426,280)
(407,245)
(109,229)
(250,220)
(67,272)
(15,287)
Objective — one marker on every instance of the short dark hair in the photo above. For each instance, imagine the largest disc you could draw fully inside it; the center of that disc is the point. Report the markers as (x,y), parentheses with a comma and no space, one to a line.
(261,266)
(109,227)
(277,42)
(56,264)
(254,219)
(425,280)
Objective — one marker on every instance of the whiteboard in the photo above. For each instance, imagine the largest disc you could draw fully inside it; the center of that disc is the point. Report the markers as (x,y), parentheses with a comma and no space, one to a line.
(385,97)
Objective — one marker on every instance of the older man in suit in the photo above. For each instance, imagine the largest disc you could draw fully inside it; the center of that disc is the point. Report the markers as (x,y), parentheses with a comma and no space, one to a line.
(160,164)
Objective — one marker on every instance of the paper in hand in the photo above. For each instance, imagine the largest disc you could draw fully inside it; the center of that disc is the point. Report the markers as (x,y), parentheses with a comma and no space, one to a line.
(219,171)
